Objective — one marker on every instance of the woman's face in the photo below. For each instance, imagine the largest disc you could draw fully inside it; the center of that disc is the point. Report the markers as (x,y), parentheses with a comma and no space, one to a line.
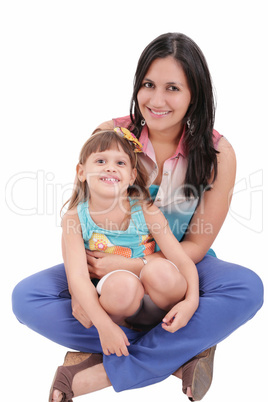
(164,96)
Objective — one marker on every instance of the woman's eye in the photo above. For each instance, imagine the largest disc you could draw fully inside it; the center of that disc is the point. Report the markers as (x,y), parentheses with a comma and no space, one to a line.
(148,85)
(173,89)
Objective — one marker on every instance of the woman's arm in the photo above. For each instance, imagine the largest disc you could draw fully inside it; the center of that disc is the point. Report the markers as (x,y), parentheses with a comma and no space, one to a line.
(211,213)
(113,339)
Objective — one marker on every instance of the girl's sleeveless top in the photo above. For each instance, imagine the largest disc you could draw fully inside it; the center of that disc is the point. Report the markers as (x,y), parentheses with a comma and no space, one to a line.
(135,241)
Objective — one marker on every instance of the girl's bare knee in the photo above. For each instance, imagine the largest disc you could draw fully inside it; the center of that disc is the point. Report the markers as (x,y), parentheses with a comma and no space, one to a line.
(121,293)
(157,272)
(163,282)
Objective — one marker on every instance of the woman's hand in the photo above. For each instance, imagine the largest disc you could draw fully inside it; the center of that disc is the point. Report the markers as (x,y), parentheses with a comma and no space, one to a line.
(113,339)
(179,316)
(80,314)
(100,263)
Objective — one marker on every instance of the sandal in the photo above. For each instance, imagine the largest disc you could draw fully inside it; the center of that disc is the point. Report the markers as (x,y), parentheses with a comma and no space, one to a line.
(197,374)
(74,362)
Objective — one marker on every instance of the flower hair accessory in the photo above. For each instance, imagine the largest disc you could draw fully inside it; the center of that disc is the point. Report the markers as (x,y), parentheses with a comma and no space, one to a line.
(125,133)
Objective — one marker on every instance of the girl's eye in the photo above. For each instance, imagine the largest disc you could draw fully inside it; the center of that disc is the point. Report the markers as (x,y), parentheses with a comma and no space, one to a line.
(100,161)
(121,163)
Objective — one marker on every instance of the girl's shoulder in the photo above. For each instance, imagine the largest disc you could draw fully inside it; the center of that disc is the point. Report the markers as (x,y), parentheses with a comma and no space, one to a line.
(70,221)
(152,213)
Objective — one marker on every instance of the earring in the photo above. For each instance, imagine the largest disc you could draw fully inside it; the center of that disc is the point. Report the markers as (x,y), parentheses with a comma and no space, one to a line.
(143,122)
(190,126)
(188,122)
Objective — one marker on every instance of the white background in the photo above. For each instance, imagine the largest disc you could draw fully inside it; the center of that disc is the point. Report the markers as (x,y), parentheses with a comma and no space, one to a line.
(67,66)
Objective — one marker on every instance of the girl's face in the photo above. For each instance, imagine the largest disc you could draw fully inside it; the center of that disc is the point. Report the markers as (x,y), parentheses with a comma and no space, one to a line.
(164,96)
(108,173)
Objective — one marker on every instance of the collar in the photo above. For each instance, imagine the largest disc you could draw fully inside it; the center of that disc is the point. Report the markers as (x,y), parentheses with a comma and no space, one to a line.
(144,139)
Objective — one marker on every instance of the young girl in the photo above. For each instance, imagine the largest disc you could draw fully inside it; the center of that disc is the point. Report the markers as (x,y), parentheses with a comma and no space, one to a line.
(110,210)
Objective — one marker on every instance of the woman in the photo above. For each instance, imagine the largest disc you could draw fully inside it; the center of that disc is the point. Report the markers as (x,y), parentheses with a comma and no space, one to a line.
(192,172)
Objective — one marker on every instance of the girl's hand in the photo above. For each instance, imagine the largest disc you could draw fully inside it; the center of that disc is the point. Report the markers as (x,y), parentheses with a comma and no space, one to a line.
(179,316)
(80,314)
(113,340)
(100,264)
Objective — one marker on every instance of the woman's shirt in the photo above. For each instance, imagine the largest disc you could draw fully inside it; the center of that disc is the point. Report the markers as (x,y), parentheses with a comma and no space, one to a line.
(169,195)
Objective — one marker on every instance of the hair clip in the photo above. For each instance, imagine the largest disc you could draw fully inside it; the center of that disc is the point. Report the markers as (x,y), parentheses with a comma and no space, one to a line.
(125,133)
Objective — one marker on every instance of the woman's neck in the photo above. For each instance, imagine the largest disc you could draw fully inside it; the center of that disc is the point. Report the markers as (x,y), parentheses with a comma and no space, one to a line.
(168,137)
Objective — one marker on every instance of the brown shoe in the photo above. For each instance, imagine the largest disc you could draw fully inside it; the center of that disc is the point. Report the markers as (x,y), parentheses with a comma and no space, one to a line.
(197,374)
(74,363)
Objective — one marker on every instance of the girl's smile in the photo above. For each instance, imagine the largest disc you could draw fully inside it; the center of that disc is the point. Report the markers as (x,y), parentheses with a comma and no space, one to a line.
(108,169)
(109,179)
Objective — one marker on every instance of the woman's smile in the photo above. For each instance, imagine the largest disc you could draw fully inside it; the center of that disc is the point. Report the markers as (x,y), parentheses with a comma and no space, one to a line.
(158,113)
(164,96)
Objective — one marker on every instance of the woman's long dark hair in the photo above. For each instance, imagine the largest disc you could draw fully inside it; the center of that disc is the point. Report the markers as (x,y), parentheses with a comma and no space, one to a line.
(198,139)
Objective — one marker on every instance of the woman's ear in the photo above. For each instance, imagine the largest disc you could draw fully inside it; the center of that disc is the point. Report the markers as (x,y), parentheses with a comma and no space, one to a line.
(80,172)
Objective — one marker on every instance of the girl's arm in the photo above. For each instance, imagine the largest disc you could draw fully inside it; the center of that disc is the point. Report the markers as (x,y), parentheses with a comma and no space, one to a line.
(211,213)
(112,338)
(173,251)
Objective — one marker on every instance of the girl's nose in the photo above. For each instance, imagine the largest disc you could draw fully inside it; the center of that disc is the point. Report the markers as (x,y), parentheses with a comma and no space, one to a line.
(110,167)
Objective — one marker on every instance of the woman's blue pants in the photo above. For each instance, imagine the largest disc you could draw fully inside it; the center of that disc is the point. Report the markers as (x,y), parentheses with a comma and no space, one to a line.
(230,295)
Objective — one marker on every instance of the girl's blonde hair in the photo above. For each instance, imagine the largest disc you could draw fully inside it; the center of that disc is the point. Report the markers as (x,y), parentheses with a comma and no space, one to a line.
(101,141)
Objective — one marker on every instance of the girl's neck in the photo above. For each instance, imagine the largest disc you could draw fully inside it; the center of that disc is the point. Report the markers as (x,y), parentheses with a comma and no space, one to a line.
(111,215)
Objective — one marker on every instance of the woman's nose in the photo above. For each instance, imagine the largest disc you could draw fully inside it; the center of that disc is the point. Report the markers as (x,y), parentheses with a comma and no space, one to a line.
(157,98)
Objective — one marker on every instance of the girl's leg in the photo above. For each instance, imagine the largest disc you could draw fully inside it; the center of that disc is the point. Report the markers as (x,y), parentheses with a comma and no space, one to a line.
(163,282)
(229,296)
(121,295)
(43,303)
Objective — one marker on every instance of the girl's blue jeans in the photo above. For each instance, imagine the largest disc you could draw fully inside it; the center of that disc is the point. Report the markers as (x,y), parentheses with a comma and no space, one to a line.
(230,295)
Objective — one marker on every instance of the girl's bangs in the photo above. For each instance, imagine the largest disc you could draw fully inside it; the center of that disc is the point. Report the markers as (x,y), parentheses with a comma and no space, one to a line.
(103,141)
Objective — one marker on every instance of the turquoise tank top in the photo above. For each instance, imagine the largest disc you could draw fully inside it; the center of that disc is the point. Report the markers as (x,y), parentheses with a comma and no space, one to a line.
(135,241)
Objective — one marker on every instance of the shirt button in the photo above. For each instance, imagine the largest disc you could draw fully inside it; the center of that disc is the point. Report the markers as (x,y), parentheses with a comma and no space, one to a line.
(166,173)
(158,199)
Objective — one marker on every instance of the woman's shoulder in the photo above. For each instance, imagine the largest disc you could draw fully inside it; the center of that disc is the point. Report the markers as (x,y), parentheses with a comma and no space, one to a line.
(225,148)
(107,125)
(226,160)
(116,122)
